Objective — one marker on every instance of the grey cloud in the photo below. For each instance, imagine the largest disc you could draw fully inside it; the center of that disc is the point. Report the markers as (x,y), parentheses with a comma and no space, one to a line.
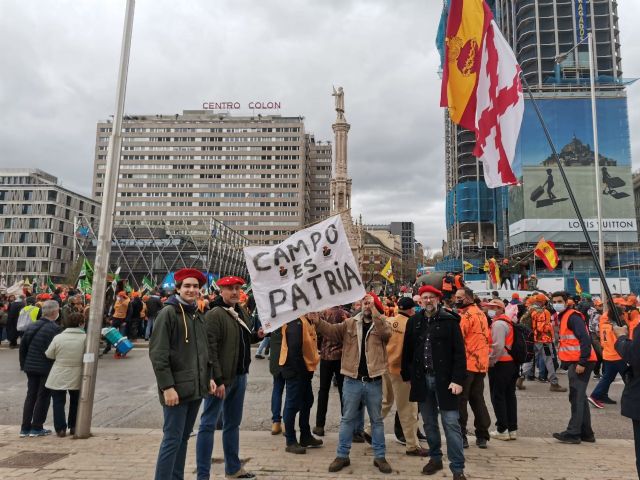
(60,64)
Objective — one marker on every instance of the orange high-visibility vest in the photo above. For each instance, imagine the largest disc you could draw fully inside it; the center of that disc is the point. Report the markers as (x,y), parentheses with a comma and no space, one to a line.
(458,281)
(608,339)
(569,350)
(633,319)
(446,286)
(508,341)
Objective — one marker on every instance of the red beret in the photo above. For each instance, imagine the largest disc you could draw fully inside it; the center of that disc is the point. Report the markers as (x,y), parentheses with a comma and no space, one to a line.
(429,289)
(185,273)
(230,281)
(377,302)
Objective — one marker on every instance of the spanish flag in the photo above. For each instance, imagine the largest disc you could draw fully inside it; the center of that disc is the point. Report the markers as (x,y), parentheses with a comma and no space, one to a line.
(494,272)
(467,23)
(387,273)
(546,251)
(577,285)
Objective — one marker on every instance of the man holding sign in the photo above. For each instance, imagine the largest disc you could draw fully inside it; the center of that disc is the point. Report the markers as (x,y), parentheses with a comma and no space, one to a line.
(364,360)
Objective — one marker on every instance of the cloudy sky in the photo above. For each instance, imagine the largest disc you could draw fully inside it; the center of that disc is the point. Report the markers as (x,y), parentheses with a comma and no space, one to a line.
(59,64)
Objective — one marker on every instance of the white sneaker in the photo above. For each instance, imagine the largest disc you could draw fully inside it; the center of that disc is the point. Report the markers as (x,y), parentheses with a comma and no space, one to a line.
(513,435)
(504,436)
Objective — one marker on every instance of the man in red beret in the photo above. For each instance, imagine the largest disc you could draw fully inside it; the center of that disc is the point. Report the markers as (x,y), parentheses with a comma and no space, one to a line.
(230,333)
(179,356)
(364,360)
(434,361)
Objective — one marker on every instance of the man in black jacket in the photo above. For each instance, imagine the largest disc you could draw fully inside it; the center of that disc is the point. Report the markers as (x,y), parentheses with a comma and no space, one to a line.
(434,361)
(154,305)
(629,350)
(36,365)
(12,321)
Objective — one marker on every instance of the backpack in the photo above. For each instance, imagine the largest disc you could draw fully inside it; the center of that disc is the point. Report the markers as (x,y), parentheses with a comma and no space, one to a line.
(24,319)
(523,345)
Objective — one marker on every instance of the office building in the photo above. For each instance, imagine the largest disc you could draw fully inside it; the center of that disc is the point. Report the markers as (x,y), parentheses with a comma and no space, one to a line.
(263,175)
(38,219)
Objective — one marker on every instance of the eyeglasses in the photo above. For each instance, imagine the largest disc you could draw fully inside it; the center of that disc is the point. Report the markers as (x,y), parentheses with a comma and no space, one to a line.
(429,299)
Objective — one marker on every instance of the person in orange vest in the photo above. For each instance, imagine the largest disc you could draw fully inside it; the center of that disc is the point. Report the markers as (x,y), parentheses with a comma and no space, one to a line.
(477,342)
(577,354)
(299,358)
(447,287)
(612,363)
(458,281)
(633,314)
(503,373)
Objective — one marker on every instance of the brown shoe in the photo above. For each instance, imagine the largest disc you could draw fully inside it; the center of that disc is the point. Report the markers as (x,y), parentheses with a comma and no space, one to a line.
(382,465)
(520,384)
(339,463)
(557,388)
(276,428)
(432,467)
(319,431)
(418,452)
(459,476)
(296,448)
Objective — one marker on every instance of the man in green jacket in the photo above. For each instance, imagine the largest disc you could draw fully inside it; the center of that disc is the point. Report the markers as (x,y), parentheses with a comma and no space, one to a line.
(230,334)
(180,359)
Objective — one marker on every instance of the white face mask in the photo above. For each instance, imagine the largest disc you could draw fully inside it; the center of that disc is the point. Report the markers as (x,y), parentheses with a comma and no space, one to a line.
(491,313)
(559,307)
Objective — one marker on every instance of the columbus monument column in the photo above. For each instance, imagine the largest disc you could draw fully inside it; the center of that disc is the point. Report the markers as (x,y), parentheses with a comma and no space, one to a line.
(340,183)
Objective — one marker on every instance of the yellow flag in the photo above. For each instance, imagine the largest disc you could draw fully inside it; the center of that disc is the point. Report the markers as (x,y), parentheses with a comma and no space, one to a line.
(467,265)
(387,272)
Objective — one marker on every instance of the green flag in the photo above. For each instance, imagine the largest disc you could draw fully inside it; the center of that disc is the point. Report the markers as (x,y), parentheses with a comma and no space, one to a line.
(127,288)
(86,271)
(85,286)
(50,284)
(36,288)
(147,284)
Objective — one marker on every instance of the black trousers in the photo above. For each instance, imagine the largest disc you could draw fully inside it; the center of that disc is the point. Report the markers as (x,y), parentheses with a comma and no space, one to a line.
(502,384)
(473,394)
(36,403)
(59,400)
(328,368)
(636,440)
(12,332)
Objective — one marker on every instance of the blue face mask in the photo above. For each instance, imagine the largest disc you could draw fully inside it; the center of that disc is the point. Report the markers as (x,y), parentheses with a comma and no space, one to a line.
(418,308)
(559,307)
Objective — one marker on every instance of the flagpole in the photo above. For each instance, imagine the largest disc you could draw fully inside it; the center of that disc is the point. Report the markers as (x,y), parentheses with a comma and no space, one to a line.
(103,248)
(599,268)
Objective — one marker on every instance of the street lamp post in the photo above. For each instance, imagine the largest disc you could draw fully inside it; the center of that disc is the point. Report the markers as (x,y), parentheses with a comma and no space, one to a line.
(594,120)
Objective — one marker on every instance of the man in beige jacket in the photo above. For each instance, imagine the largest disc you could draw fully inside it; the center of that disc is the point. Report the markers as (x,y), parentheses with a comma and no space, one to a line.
(364,361)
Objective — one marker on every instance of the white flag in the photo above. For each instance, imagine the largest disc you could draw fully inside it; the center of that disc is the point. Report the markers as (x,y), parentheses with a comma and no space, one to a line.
(499,109)
(310,271)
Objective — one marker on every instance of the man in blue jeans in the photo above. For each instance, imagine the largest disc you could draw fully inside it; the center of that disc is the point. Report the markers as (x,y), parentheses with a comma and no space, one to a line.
(434,361)
(229,334)
(364,360)
(180,360)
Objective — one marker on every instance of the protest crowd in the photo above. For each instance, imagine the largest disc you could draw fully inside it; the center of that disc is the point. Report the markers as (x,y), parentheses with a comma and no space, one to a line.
(426,350)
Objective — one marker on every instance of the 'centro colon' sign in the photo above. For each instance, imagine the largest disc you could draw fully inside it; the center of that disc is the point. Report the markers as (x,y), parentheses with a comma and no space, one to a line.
(238,105)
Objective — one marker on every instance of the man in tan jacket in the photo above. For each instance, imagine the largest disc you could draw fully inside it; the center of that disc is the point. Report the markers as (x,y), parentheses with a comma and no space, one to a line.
(394,389)
(364,361)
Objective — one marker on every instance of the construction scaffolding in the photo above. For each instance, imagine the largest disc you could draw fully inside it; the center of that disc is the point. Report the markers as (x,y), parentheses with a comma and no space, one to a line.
(155,248)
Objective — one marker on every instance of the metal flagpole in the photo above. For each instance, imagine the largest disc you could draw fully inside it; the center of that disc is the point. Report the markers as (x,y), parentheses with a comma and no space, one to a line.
(603,280)
(103,248)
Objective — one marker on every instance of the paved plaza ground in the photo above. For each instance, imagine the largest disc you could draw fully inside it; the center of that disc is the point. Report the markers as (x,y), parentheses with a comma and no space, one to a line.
(128,419)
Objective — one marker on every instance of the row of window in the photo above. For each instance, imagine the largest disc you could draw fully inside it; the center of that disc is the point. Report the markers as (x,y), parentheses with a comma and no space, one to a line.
(202,130)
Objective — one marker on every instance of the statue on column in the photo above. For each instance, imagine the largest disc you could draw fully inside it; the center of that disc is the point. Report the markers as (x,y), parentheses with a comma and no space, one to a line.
(339,94)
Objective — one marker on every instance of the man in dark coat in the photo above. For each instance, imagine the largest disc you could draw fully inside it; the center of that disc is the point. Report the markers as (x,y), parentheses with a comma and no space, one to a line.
(629,350)
(37,366)
(434,361)
(12,321)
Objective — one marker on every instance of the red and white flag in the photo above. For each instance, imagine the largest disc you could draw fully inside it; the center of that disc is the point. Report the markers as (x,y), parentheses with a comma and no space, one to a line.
(481,86)
(499,110)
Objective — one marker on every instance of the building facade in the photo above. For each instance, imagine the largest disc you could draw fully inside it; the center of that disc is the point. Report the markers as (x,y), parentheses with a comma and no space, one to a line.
(263,175)
(411,251)
(378,247)
(38,223)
